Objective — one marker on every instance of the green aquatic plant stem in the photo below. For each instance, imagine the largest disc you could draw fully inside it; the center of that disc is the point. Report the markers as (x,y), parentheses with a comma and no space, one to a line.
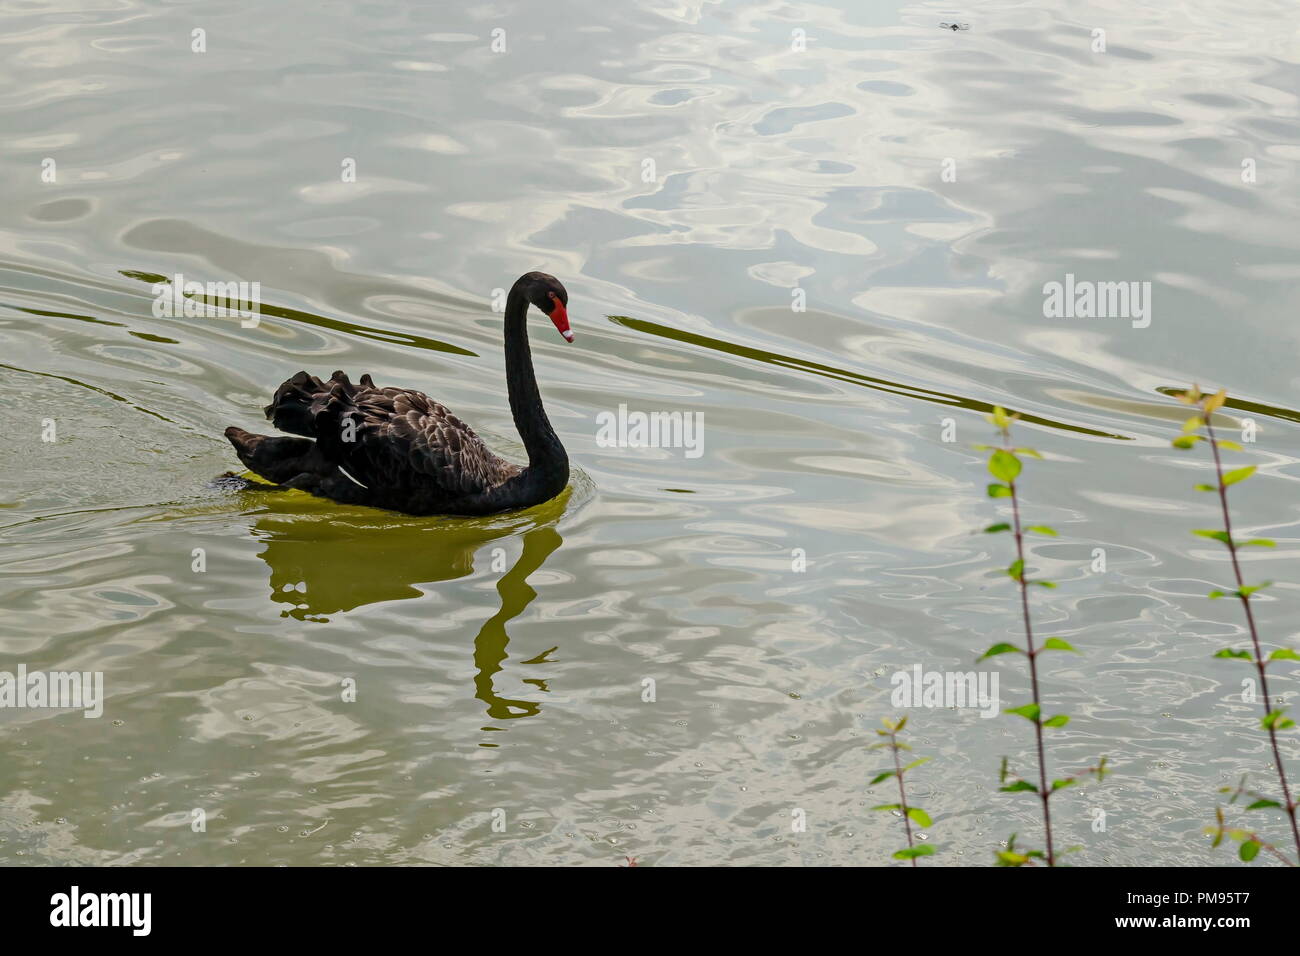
(1031,652)
(1207,406)
(902,791)
(1004,464)
(909,813)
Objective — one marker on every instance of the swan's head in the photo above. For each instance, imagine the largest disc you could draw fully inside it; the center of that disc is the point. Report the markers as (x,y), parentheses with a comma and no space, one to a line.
(547,294)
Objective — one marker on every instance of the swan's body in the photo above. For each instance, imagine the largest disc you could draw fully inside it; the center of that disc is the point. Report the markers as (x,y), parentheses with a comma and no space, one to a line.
(399,449)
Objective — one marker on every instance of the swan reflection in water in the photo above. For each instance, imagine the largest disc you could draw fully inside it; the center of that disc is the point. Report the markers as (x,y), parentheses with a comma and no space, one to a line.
(327,563)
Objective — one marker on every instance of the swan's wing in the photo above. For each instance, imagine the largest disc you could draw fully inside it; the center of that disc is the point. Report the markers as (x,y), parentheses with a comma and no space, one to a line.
(409,438)
(401,440)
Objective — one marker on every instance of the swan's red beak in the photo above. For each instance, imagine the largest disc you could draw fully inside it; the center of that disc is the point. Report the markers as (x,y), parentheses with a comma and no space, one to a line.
(561,319)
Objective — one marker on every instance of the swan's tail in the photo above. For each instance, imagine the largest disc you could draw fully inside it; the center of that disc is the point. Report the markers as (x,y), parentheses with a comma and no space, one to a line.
(275,459)
(296,463)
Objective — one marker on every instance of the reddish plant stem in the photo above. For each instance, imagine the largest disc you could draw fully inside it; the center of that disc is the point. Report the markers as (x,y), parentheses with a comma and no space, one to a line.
(1288,803)
(902,794)
(1043,792)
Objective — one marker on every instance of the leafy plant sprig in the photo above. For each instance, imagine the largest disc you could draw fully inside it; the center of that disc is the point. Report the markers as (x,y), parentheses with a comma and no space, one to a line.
(1273,720)
(1006,467)
(908,813)
(1250,843)
(1013,857)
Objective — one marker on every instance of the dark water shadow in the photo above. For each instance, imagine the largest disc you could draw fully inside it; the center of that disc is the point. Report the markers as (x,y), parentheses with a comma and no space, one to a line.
(841,375)
(1241,405)
(342,326)
(902,388)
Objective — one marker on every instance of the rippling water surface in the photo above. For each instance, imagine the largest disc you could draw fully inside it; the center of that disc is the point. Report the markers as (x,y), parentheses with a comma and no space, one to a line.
(684,171)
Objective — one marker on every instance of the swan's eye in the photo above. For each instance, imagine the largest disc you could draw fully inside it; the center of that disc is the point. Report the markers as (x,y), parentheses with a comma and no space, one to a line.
(551,296)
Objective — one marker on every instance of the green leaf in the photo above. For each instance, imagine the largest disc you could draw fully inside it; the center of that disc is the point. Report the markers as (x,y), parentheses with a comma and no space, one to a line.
(1016,568)
(1193,423)
(1270,721)
(1000,417)
(1229,652)
(888,806)
(1004,465)
(916,763)
(1030,712)
(1262,804)
(1248,590)
(1230,445)
(1042,529)
(1215,401)
(1216,594)
(1062,784)
(1060,720)
(1056,644)
(1018,786)
(879,777)
(1027,451)
(1257,543)
(999,491)
(1237,474)
(920,817)
(1249,850)
(1044,584)
(912,852)
(1186,441)
(1284,654)
(995,528)
(1206,488)
(1003,648)
(1216,535)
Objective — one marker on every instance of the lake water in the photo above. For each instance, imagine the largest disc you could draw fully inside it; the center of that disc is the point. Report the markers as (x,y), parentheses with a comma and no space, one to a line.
(832,246)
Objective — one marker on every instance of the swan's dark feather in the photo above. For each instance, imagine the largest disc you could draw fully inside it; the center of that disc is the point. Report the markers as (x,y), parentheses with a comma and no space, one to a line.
(397,447)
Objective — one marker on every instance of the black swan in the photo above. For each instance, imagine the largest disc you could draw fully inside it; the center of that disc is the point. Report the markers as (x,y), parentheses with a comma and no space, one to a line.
(399,449)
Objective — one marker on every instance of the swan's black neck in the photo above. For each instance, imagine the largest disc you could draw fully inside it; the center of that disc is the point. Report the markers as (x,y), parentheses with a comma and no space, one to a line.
(548,463)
